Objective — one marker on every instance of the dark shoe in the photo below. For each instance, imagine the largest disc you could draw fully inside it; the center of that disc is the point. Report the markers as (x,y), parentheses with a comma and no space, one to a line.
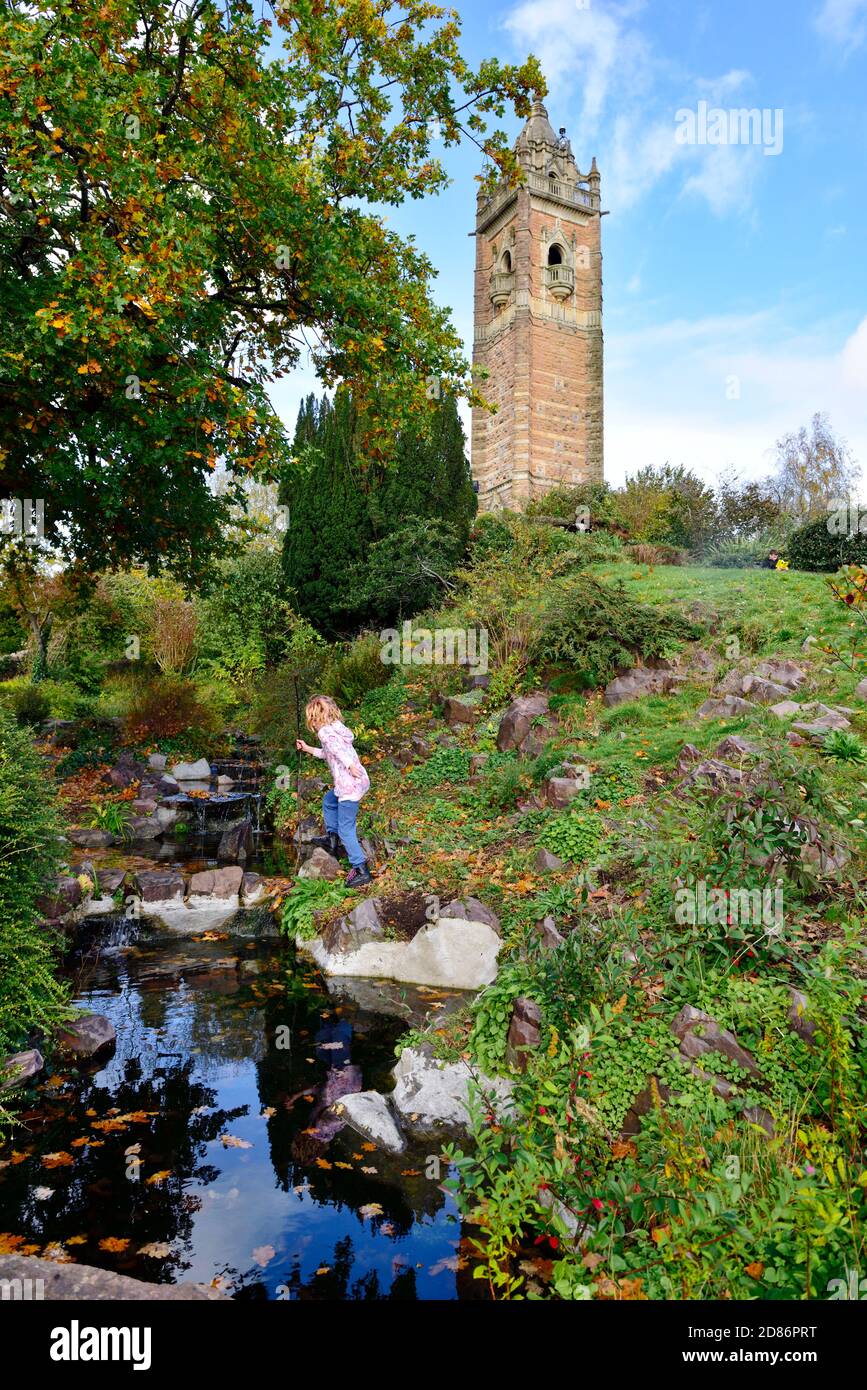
(330,841)
(358,877)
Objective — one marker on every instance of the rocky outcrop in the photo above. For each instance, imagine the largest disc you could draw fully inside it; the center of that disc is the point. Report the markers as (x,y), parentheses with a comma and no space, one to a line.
(86,837)
(546,862)
(20,1068)
(431,1096)
(727,707)
(217,883)
(464,709)
(525,1031)
(700,1035)
(320,864)
(452,952)
(85,1283)
(199,771)
(370,1115)
(87,1037)
(517,722)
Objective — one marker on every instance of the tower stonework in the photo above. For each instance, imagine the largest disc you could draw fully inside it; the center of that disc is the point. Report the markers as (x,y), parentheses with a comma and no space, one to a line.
(538,325)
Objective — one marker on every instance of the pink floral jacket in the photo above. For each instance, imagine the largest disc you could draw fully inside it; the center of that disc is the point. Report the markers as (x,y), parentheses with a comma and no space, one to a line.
(350,779)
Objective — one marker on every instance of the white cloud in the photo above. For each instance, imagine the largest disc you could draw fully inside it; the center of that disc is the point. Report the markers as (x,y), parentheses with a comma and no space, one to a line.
(628,96)
(843,22)
(668,388)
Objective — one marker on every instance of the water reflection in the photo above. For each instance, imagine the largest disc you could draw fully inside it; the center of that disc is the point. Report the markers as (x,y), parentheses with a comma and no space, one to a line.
(203,1150)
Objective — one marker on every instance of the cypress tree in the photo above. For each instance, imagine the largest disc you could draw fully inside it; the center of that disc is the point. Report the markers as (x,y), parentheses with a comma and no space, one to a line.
(341,503)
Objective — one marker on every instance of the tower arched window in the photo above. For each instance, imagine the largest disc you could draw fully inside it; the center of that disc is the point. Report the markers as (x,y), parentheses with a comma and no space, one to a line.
(506,263)
(555,254)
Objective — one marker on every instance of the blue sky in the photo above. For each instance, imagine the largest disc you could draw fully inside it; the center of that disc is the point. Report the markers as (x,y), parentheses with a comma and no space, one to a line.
(735,282)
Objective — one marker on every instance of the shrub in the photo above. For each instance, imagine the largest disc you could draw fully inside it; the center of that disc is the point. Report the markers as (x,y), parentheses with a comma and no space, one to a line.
(164,707)
(737,554)
(655,553)
(567,502)
(30,995)
(598,629)
(351,674)
(30,704)
(380,707)
(825,545)
(173,634)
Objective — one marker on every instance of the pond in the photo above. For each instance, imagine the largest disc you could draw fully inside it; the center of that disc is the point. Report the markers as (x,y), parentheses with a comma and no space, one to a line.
(194,1152)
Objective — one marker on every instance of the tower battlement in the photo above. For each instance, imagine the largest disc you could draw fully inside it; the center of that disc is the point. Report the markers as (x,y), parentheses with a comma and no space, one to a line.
(538,324)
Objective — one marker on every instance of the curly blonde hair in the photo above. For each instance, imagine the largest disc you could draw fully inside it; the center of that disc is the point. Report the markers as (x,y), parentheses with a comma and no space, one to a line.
(321,709)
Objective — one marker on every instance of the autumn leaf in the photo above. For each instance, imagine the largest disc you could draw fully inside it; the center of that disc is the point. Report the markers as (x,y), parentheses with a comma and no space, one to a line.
(114,1244)
(231,1141)
(156,1250)
(58,1160)
(156,1179)
(755,1270)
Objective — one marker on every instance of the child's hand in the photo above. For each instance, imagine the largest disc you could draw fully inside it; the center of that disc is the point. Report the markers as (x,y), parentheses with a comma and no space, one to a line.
(302,746)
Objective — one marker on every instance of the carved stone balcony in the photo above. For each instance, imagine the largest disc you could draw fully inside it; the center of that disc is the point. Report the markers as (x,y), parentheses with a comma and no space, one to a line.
(559,280)
(563,192)
(501,288)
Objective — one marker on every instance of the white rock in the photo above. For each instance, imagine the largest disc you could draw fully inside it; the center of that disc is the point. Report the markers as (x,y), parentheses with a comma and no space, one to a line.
(432,1096)
(157,761)
(199,771)
(449,953)
(369,1113)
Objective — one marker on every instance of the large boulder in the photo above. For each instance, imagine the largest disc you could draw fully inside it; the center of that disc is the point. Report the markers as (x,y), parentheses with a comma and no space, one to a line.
(517,722)
(63,900)
(525,1031)
(320,864)
(360,926)
(217,883)
(641,680)
(237,841)
(431,1096)
(546,862)
(370,1115)
(85,1283)
(199,771)
(765,691)
(145,827)
(471,910)
(86,1037)
(253,889)
(712,773)
(20,1068)
(464,709)
(88,837)
(782,672)
(560,791)
(728,707)
(700,1035)
(450,953)
(160,885)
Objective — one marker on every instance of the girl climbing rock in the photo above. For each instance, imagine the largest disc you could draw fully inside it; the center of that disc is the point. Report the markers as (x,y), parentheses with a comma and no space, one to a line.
(340,804)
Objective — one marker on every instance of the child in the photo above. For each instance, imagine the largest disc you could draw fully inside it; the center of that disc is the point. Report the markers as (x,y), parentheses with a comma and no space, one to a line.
(340,806)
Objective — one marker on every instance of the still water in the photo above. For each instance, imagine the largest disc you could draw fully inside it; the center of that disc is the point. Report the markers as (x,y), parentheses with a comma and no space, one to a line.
(200,1150)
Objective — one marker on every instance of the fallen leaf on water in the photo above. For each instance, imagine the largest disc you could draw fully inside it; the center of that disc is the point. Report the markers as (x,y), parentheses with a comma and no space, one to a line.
(410,1172)
(322,1163)
(267,1112)
(58,1160)
(358,1157)
(18,1156)
(338,1164)
(369,1170)
(109,1126)
(132,1149)
(79,1143)
(231,1141)
(370,1209)
(57,1254)
(369,1148)
(116,1244)
(263,1255)
(76,1240)
(324,1269)
(157,1250)
(156,1179)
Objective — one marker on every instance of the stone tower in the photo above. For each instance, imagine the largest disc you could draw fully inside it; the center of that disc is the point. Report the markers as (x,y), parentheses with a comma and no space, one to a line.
(538,324)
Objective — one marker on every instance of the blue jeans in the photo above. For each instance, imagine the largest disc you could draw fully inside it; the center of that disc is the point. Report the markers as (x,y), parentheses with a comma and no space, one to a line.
(340,818)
